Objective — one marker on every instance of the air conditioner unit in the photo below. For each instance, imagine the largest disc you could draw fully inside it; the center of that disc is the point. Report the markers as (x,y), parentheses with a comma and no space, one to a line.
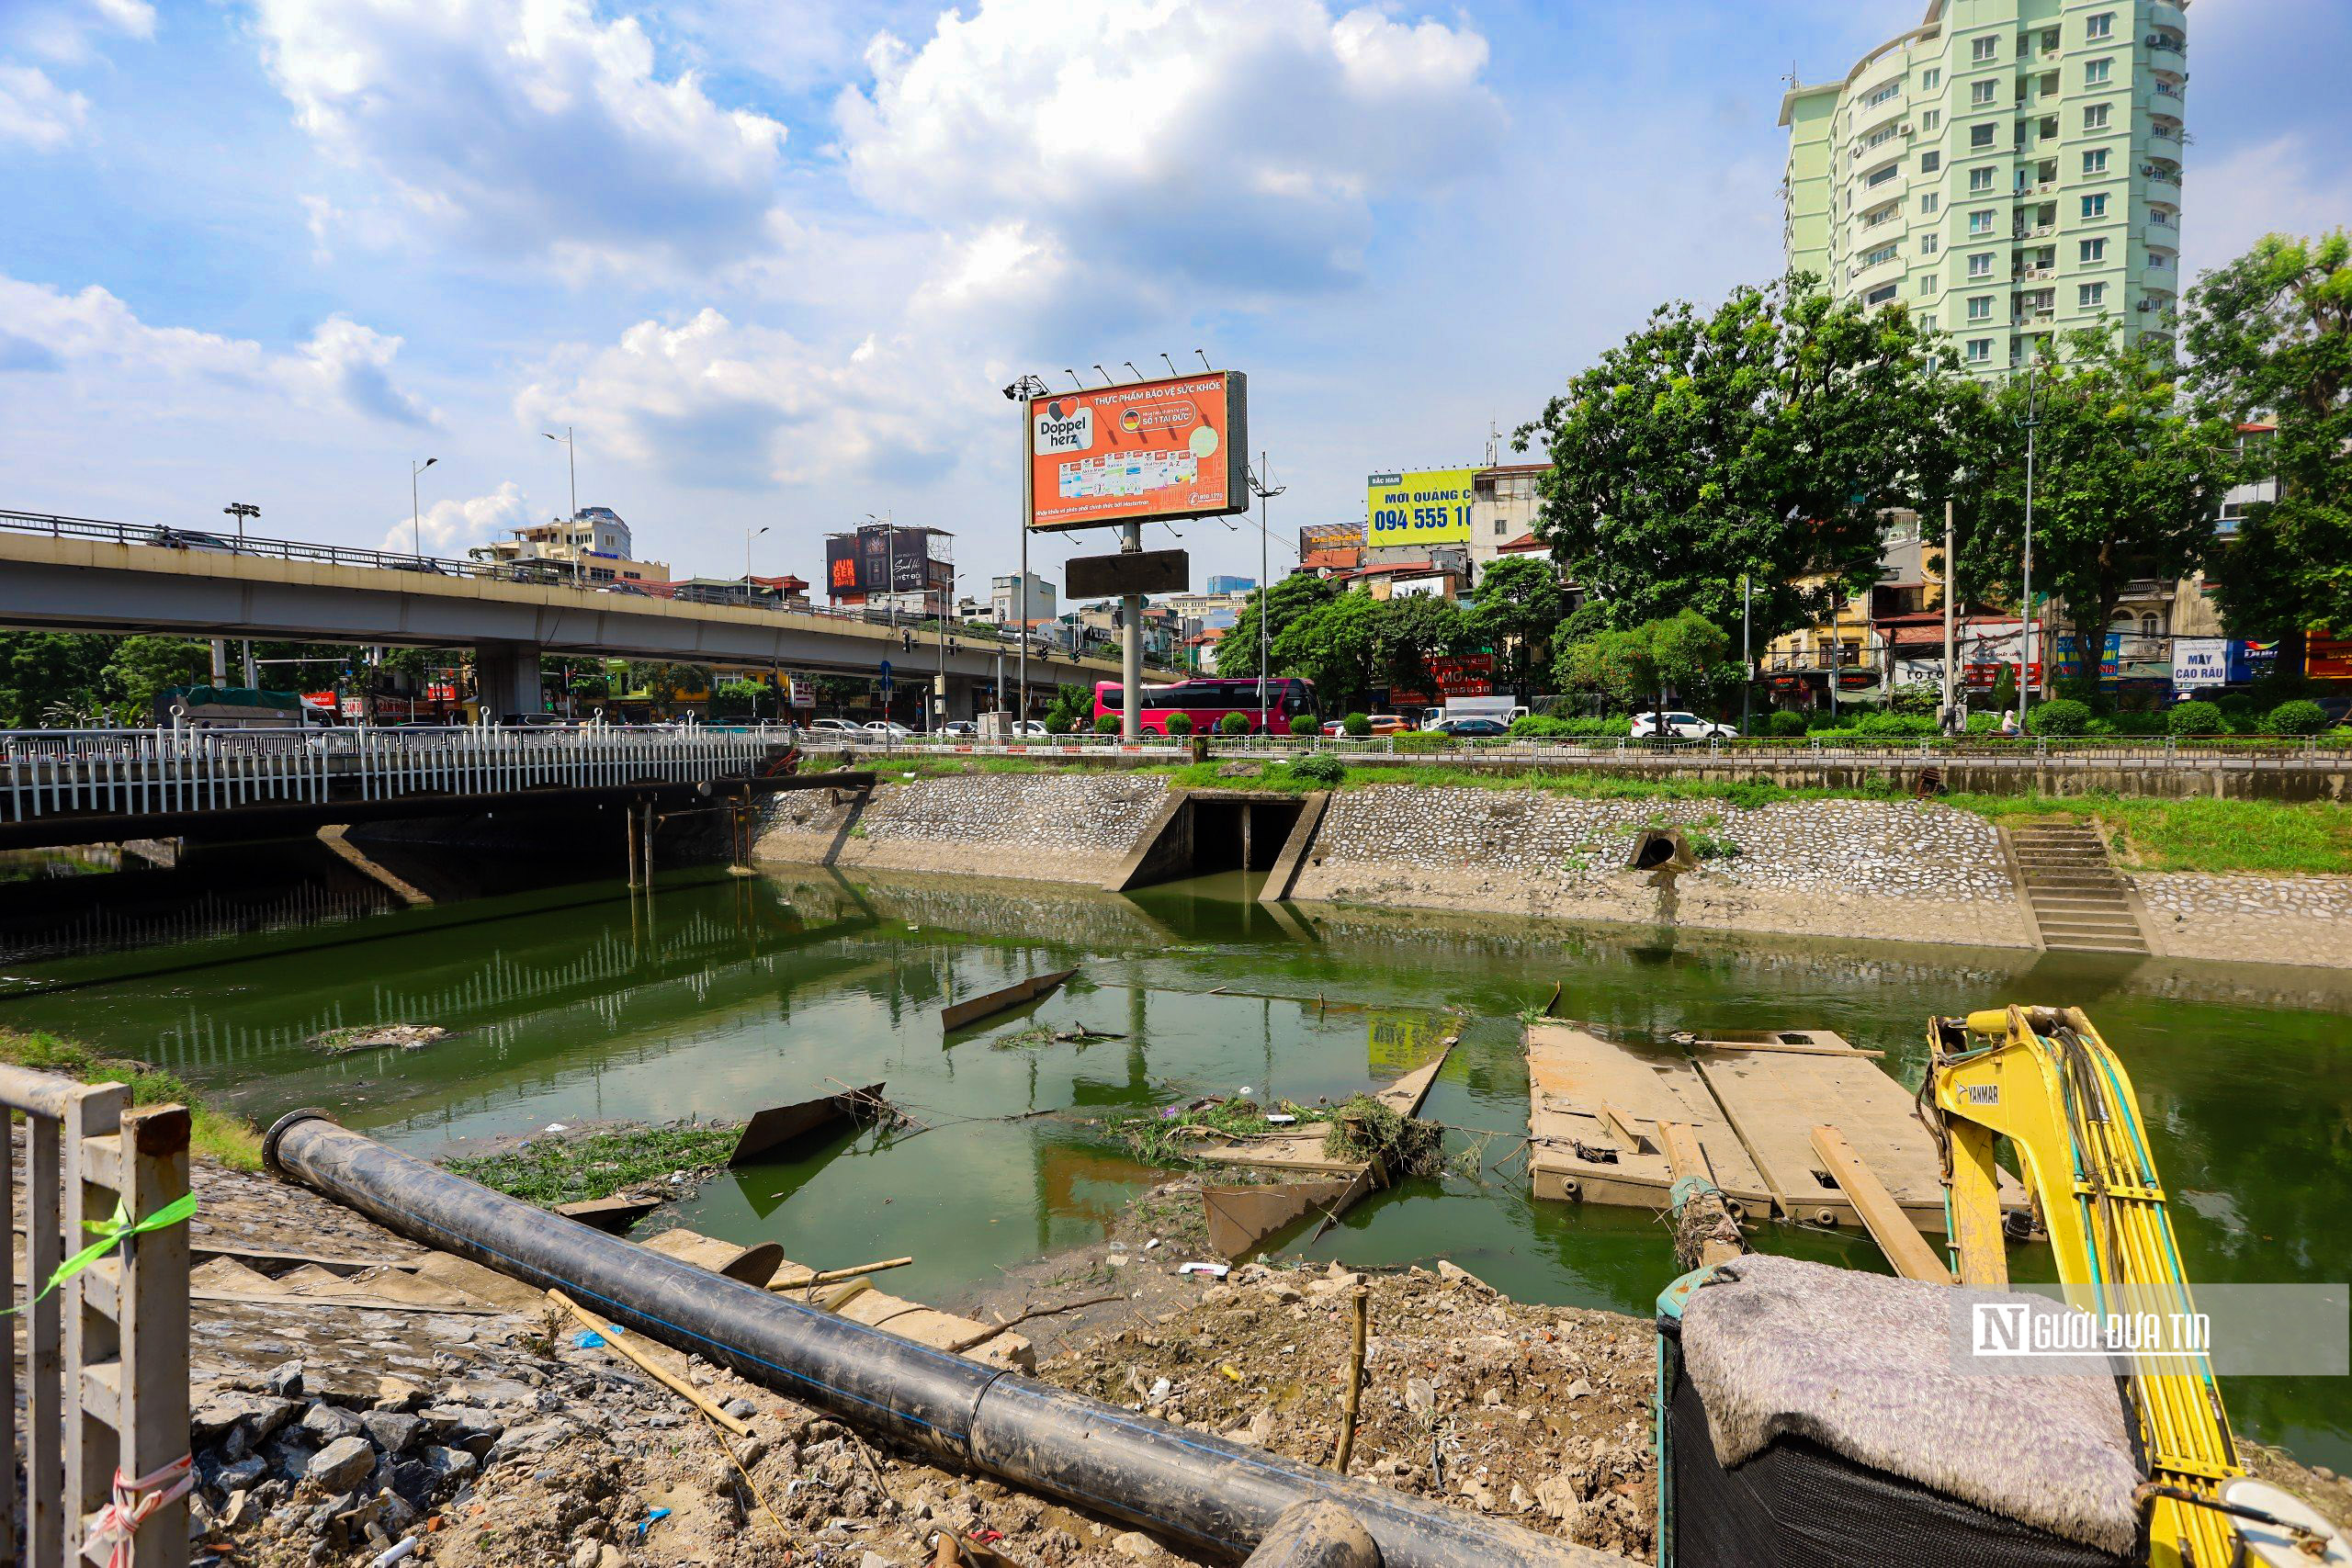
(2147,304)
(1904,129)
(2147,168)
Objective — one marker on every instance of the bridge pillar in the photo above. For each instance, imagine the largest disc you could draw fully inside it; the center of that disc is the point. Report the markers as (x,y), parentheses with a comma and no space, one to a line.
(507,676)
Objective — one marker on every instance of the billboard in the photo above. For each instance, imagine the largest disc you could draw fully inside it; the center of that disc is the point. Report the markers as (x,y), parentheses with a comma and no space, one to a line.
(1431,506)
(2199,661)
(1151,449)
(879,559)
(1129,571)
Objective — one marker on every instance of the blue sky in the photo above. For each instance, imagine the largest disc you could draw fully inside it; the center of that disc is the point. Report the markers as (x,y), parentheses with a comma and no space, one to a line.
(775,258)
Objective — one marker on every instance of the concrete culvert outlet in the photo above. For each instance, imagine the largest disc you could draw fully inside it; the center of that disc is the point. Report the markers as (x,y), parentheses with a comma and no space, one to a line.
(1660,849)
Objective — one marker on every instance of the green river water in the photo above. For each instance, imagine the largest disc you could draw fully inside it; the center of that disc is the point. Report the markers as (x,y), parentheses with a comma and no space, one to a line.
(719,995)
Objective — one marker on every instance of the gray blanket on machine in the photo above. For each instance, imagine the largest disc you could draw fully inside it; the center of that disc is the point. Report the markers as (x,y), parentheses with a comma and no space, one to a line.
(1865,1366)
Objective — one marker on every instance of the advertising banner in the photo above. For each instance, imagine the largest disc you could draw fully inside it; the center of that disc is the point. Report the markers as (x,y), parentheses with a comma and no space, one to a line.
(802,692)
(1153,449)
(2251,661)
(1469,675)
(1129,571)
(1431,506)
(2328,657)
(2199,661)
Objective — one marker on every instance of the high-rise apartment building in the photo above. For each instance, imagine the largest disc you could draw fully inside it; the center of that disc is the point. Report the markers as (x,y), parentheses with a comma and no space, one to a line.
(2008,169)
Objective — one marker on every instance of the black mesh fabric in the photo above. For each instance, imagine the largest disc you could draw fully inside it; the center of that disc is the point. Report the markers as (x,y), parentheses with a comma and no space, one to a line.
(1798,1504)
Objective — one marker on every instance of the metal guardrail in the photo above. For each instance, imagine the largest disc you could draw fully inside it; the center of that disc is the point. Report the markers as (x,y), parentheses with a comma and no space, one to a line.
(105,1444)
(536,573)
(52,772)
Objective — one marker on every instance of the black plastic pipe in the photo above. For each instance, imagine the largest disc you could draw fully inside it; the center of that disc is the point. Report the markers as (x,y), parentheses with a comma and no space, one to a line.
(1316,1535)
(1223,1495)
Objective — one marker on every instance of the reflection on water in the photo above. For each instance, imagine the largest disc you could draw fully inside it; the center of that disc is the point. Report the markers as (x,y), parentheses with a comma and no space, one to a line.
(719,994)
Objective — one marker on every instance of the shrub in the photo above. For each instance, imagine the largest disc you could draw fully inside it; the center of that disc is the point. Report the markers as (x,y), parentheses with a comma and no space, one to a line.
(2194,718)
(1423,741)
(1304,724)
(1984,723)
(1891,724)
(2299,717)
(1180,723)
(2060,716)
(1537,725)
(1107,725)
(1917,697)
(1234,724)
(1322,767)
(2004,688)
(1357,724)
(1785,724)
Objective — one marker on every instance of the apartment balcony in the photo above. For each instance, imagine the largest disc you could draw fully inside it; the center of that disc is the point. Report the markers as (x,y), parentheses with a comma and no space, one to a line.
(2162,171)
(2031,273)
(2166,40)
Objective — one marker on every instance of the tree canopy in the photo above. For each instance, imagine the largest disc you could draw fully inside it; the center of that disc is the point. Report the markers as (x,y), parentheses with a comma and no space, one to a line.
(1237,650)
(1766,437)
(2269,337)
(1518,608)
(1634,665)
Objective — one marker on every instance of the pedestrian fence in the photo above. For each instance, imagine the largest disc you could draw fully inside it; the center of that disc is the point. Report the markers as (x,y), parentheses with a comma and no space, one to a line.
(52,773)
(100,1434)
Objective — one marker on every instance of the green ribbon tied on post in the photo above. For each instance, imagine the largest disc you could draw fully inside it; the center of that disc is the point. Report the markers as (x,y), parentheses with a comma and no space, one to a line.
(112,1232)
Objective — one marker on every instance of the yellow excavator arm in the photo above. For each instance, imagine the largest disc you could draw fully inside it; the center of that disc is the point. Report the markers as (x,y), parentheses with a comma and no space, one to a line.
(2043,1078)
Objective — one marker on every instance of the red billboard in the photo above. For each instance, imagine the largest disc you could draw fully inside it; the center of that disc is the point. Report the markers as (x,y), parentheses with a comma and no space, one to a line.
(1151,449)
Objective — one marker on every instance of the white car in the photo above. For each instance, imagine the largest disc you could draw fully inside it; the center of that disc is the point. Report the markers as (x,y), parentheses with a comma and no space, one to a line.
(889,729)
(821,726)
(1682,727)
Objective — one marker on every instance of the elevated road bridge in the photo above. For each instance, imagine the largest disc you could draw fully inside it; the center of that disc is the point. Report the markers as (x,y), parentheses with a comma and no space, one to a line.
(85,574)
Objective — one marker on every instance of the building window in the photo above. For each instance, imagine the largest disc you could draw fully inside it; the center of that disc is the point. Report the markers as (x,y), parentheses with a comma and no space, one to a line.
(1884,94)
(1980,179)
(1880,176)
(1984,48)
(1980,349)
(2090,297)
(1982,92)
(1883,253)
(2094,206)
(2095,161)
(1501,527)
(1980,308)
(2099,27)
(1877,296)
(1928,286)
(2094,118)
(1981,265)
(2159,260)
(1927,204)
(1927,244)
(1930,162)
(1981,135)
(2097,72)
(1931,119)
(1931,79)
(1928,323)
(2094,251)
(1980,222)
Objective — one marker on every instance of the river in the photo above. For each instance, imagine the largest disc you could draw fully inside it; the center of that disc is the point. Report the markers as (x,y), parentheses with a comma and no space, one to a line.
(719,994)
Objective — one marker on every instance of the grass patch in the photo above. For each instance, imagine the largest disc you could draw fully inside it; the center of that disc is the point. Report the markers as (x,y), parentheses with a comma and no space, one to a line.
(2265,836)
(214,1133)
(1358,1128)
(558,1168)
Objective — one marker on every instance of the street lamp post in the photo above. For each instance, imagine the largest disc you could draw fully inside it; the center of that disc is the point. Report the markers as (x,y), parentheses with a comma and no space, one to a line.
(1747,663)
(749,534)
(241,511)
(1265,588)
(1024,391)
(2025,609)
(571,464)
(417,512)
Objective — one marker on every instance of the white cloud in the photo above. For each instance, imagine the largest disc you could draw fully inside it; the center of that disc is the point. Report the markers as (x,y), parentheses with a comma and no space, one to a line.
(62,30)
(2284,186)
(447,527)
(529,127)
(713,404)
(37,112)
(1239,144)
(95,336)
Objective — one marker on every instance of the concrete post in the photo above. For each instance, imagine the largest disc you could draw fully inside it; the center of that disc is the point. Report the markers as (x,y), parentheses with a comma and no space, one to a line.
(508,676)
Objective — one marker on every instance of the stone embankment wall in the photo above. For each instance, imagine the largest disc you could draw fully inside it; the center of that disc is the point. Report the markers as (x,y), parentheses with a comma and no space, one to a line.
(1048,826)
(1891,870)
(2265,919)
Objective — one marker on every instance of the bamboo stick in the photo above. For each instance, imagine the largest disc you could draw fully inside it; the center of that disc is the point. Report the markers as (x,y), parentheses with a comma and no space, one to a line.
(660,1374)
(1362,1300)
(804,1280)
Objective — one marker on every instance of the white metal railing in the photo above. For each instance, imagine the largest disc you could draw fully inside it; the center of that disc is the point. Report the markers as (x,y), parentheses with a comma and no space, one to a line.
(52,772)
(103,1443)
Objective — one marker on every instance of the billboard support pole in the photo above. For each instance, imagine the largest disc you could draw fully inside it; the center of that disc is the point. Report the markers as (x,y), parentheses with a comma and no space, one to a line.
(1021,587)
(1131,647)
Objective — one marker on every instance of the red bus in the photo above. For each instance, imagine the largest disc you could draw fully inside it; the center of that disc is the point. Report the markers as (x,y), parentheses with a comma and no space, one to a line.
(1209,700)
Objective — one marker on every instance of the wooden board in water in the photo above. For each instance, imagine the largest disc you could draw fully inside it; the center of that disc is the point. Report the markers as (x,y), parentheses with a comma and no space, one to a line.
(1579,1081)
(1775,1100)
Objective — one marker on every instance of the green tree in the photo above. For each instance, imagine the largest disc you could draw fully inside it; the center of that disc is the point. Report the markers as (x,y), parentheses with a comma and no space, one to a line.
(1767,438)
(1518,607)
(1333,645)
(1237,650)
(2126,484)
(1683,653)
(141,666)
(1408,633)
(42,669)
(2269,337)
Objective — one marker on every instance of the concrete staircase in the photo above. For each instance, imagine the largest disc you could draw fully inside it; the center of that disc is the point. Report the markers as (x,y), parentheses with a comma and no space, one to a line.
(2078,901)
